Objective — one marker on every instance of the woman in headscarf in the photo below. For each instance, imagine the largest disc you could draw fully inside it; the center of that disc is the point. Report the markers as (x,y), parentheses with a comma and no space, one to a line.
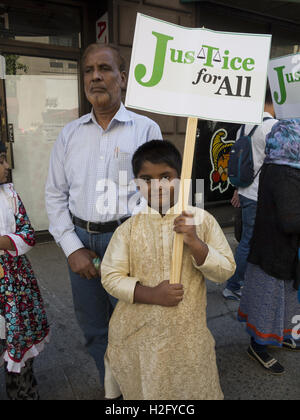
(269,302)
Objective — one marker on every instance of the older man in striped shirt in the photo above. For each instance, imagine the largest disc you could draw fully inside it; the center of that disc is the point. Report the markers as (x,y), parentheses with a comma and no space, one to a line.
(87,187)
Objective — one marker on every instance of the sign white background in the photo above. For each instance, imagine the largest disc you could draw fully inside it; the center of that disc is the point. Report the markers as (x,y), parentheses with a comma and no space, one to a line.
(176,94)
(291,76)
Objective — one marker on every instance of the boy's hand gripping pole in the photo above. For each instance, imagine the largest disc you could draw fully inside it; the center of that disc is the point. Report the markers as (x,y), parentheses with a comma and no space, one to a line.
(184,190)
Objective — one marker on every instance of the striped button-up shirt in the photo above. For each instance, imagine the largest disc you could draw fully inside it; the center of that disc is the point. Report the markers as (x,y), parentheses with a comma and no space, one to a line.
(89,173)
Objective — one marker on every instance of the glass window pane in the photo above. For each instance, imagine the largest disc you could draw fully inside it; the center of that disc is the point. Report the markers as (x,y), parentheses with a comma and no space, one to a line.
(41,100)
(48,25)
(284,42)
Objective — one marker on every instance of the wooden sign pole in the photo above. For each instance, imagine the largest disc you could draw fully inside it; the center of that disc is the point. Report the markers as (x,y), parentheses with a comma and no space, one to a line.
(186,173)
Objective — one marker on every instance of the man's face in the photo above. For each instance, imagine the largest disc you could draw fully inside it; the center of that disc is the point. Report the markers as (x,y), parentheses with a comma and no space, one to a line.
(103,80)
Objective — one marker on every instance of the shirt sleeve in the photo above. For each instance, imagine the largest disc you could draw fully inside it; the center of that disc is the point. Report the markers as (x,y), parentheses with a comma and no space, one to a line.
(24,237)
(219,265)
(267,126)
(115,266)
(154,132)
(57,202)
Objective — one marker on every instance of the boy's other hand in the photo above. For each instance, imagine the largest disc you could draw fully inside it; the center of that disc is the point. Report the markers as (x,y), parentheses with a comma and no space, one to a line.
(185,224)
(81,262)
(166,294)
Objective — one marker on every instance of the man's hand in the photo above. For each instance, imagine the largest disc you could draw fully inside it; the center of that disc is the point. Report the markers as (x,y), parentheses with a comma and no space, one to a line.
(236,200)
(81,262)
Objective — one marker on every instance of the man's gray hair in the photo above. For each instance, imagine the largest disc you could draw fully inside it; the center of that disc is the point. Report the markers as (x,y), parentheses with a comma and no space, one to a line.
(94,47)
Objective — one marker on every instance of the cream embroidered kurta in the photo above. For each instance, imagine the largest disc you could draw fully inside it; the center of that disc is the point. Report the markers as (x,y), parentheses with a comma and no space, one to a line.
(156,352)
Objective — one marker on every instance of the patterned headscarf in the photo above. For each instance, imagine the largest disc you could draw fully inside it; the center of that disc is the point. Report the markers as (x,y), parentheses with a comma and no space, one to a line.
(283,143)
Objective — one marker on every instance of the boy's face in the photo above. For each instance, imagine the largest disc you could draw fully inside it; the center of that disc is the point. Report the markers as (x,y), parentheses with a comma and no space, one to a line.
(157,182)
(4,169)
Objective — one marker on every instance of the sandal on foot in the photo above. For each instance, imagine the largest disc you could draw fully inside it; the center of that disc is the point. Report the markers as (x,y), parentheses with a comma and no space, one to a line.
(266,361)
(291,344)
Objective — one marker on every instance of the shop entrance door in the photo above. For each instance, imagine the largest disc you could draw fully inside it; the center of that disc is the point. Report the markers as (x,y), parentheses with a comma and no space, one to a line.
(41,96)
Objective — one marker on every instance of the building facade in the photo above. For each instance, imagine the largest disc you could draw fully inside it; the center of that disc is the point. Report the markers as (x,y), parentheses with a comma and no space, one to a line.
(42,42)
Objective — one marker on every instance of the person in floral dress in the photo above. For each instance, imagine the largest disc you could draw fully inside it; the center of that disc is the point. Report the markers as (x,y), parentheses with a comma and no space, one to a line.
(24,327)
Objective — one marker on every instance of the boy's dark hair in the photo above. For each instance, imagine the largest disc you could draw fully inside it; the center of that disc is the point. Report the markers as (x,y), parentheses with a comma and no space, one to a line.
(157,151)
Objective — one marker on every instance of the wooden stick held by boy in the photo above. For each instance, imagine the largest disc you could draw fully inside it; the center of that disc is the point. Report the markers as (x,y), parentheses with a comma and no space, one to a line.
(186,174)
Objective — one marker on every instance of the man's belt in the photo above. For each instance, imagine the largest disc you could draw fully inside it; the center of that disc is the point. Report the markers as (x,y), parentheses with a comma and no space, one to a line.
(92,227)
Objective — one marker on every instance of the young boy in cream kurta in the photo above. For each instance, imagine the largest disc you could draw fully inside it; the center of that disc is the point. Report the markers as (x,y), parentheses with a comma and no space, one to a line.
(159,346)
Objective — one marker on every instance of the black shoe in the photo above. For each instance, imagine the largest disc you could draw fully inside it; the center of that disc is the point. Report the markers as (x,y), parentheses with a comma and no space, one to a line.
(291,344)
(266,361)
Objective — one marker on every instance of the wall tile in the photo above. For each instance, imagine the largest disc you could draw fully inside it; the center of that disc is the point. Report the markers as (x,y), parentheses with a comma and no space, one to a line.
(126,23)
(181,125)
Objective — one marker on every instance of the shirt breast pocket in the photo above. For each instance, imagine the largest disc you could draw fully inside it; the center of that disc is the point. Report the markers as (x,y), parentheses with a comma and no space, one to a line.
(120,171)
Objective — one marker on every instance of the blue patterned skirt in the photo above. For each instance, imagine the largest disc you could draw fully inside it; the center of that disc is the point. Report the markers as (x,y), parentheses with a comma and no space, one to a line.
(269,307)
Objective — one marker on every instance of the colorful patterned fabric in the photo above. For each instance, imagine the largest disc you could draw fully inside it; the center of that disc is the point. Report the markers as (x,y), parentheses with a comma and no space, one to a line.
(21,304)
(283,144)
(268,307)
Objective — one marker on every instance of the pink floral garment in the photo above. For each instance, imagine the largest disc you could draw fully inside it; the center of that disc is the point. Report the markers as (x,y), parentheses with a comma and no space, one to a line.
(21,304)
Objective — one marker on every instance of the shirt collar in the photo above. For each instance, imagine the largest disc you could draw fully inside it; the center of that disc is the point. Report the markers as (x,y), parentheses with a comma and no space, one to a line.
(173,212)
(122,115)
(176,210)
(267,114)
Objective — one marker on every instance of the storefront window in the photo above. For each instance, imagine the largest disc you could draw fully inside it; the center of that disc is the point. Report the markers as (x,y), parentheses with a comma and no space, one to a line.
(41,99)
(284,42)
(45,24)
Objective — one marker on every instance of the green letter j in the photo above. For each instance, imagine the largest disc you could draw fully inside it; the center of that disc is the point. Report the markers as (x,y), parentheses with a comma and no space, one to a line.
(159,62)
(283,93)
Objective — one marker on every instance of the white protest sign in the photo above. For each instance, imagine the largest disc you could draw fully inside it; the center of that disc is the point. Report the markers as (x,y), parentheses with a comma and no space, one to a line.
(284,79)
(199,73)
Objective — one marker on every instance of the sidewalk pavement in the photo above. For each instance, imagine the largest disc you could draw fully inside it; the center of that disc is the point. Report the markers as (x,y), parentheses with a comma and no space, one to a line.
(65,371)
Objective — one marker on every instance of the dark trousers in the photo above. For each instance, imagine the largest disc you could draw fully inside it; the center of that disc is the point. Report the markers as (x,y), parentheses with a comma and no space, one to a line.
(22,386)
(257,347)
(242,252)
(93,305)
